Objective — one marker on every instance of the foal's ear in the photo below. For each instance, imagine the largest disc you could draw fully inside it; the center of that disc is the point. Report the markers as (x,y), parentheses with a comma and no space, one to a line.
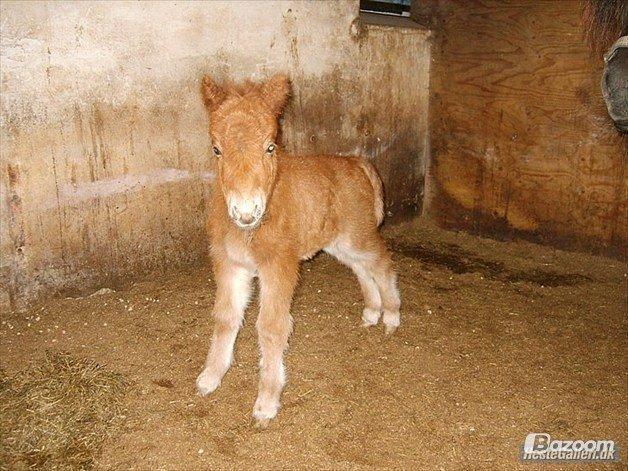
(276,92)
(213,95)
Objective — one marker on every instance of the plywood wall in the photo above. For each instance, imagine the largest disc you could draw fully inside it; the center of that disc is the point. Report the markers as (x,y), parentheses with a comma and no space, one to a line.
(520,141)
(105,155)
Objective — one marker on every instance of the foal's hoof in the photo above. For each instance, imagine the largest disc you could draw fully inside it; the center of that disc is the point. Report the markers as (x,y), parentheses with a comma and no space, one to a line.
(390,329)
(263,412)
(261,424)
(391,321)
(207,383)
(370,317)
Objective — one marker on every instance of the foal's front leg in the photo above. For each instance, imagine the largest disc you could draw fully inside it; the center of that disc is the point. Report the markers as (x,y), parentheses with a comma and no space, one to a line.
(232,296)
(274,324)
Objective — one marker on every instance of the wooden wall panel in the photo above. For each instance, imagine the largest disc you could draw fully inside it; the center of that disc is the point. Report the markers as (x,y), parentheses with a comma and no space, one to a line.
(520,141)
(393,124)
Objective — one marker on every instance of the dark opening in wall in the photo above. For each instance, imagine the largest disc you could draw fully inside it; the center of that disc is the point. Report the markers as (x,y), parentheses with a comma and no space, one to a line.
(386,7)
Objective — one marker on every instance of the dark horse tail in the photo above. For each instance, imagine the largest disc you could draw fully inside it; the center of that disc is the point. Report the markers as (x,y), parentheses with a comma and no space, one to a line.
(604,21)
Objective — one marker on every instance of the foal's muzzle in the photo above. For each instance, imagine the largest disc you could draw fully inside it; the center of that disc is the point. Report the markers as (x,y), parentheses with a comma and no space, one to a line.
(246,212)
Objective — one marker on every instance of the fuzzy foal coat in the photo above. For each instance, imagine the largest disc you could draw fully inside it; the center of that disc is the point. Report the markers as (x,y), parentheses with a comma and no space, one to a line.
(310,203)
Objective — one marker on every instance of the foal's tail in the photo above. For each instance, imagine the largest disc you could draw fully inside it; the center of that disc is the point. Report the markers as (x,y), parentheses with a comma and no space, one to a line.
(378,190)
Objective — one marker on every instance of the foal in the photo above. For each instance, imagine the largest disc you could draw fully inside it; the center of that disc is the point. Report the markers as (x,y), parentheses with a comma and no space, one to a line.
(268,212)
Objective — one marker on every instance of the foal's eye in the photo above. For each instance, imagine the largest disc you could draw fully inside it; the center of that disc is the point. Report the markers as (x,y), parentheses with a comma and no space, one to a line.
(217,151)
(270,149)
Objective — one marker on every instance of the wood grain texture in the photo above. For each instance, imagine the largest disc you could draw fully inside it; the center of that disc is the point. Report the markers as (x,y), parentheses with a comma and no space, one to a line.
(521,144)
(393,127)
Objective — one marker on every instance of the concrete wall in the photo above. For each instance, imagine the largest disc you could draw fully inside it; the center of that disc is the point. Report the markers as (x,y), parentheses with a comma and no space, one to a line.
(105,156)
(521,143)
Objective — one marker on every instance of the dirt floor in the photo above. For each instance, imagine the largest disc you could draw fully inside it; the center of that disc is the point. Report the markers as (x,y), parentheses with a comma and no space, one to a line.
(497,340)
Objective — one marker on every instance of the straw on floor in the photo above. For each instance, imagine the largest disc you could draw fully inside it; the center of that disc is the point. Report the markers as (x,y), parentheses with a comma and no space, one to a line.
(56,415)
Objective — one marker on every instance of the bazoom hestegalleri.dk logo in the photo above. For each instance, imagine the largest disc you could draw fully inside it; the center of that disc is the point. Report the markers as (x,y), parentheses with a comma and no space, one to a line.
(540,447)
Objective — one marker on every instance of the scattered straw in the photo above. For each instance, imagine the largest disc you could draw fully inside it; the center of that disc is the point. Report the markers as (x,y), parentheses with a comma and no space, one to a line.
(56,415)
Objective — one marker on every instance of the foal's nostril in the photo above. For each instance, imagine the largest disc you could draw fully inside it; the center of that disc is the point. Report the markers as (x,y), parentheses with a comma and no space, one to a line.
(246,212)
(247,218)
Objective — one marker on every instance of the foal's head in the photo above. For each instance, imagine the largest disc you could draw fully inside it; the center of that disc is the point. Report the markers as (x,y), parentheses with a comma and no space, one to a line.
(243,129)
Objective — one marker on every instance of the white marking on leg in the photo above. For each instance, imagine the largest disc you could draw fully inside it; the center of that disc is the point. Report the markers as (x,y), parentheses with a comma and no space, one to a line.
(370,317)
(344,252)
(266,405)
(228,314)
(274,324)
(372,298)
(272,373)
(392,317)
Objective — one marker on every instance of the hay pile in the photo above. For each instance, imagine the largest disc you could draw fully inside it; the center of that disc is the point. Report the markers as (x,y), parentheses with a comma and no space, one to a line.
(57,415)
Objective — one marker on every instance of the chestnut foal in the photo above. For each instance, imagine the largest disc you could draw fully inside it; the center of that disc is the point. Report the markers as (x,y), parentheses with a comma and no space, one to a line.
(270,210)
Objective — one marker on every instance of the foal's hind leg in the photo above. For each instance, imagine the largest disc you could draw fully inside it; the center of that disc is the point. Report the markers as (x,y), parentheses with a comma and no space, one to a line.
(370,260)
(385,277)
(370,291)
(372,299)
